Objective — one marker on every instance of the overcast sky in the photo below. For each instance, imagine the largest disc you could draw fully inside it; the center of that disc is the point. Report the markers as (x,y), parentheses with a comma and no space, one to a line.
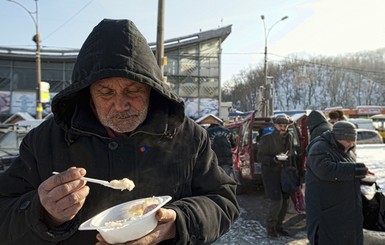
(325,27)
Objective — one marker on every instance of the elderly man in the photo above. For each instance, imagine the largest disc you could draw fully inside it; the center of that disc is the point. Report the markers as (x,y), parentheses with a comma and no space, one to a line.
(117,119)
(333,197)
(279,142)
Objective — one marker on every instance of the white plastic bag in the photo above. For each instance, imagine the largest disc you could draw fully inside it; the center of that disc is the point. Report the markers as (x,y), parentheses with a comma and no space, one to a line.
(368,191)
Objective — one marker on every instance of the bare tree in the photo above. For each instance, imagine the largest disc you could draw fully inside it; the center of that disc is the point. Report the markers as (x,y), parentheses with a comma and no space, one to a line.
(317,83)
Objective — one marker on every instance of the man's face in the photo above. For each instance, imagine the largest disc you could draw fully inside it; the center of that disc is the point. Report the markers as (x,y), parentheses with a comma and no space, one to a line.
(347,144)
(333,121)
(121,104)
(282,128)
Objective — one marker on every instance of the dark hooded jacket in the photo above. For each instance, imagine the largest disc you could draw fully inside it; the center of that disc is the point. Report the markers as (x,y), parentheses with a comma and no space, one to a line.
(332,194)
(317,124)
(168,154)
(222,141)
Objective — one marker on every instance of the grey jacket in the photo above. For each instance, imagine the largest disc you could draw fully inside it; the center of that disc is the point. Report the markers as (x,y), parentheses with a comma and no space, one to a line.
(168,154)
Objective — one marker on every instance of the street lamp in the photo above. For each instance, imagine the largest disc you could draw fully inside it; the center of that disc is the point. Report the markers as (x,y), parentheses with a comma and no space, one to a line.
(36,39)
(267,108)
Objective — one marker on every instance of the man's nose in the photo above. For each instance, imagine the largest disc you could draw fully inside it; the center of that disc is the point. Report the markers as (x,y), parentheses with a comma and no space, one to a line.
(121,103)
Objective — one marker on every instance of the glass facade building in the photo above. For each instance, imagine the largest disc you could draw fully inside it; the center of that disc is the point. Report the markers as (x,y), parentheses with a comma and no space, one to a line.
(193,70)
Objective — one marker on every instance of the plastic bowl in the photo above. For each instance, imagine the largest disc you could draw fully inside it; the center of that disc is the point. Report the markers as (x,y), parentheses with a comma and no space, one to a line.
(370,178)
(127,228)
(282,157)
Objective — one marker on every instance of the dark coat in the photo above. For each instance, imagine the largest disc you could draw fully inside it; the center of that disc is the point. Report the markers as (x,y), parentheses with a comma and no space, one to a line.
(317,124)
(333,196)
(168,154)
(221,142)
(269,146)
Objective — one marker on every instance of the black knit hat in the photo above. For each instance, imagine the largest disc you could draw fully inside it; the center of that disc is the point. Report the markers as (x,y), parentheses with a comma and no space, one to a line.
(344,130)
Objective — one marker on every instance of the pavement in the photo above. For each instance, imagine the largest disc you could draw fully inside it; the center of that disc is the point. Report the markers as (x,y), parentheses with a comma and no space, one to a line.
(249,228)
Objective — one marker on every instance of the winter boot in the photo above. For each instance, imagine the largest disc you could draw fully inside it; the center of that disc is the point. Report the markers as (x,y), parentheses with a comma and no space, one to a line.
(282,231)
(271,232)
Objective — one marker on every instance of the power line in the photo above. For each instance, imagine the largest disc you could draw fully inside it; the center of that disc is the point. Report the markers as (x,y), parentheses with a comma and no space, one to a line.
(353,69)
(307,62)
(66,22)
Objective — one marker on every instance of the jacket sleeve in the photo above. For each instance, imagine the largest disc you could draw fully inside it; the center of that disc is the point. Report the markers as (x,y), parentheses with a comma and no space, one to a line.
(20,209)
(326,167)
(264,154)
(212,208)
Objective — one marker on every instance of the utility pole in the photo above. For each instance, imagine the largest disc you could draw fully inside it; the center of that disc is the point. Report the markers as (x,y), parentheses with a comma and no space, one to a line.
(39,105)
(267,102)
(36,39)
(160,38)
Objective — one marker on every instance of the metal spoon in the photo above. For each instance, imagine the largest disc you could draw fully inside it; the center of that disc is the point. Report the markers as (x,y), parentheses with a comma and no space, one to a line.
(98,181)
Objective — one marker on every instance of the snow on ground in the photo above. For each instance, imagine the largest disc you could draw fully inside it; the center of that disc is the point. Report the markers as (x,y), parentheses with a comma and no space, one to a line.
(374,158)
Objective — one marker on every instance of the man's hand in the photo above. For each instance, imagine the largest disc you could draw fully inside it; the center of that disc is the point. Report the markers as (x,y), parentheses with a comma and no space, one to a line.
(165,230)
(63,195)
(370,173)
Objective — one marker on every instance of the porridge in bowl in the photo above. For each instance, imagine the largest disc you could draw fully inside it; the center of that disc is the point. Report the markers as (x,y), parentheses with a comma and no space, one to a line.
(123,184)
(127,221)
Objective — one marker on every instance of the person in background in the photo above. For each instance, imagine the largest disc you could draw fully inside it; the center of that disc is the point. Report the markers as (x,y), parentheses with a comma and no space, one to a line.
(265,130)
(335,116)
(222,141)
(279,141)
(332,195)
(317,124)
(117,120)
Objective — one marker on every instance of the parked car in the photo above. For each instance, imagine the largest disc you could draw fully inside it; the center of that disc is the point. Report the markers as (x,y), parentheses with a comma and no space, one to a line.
(11,136)
(9,147)
(379,124)
(368,136)
(364,123)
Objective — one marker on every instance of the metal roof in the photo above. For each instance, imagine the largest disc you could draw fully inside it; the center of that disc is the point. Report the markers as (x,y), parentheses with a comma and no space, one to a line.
(222,33)
(71,54)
